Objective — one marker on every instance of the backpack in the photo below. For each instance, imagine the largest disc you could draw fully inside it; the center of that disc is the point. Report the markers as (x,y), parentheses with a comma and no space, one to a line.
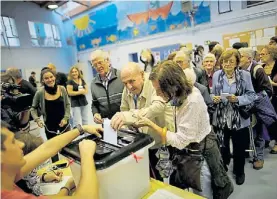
(255,70)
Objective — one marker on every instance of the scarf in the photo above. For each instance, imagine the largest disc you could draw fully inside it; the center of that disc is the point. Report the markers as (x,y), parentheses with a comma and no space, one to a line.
(51,90)
(227,113)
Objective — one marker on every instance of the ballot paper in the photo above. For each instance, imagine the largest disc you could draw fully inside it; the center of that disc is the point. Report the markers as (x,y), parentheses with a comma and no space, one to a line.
(110,135)
(163,194)
(224,95)
(53,188)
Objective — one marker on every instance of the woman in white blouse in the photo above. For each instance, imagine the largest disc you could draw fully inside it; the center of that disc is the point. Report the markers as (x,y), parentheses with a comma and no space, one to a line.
(192,127)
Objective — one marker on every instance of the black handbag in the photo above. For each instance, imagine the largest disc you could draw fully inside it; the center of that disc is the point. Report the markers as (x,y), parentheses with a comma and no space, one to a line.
(187,170)
(246,111)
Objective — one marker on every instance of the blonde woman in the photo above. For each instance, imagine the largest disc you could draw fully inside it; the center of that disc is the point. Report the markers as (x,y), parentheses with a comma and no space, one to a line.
(77,90)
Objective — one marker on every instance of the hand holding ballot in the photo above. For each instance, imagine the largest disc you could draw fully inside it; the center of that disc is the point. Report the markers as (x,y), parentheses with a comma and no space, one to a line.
(232,98)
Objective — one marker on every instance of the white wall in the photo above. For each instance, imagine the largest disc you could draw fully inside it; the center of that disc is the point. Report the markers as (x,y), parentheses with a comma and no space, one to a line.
(236,21)
(26,56)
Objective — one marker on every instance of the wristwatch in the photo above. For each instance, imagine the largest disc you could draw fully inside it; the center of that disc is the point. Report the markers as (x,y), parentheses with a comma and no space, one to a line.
(80,129)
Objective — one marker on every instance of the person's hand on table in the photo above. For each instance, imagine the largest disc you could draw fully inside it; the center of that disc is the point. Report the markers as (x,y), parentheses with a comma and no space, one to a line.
(87,147)
(97,118)
(53,177)
(93,130)
(117,121)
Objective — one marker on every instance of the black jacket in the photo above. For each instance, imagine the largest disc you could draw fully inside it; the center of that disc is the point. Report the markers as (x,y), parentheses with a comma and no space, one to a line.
(261,82)
(107,101)
(201,76)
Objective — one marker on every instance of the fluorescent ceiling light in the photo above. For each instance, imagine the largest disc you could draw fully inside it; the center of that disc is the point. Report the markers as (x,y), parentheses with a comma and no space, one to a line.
(52,6)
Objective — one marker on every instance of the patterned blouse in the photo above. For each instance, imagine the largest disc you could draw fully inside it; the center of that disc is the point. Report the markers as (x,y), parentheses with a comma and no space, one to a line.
(192,121)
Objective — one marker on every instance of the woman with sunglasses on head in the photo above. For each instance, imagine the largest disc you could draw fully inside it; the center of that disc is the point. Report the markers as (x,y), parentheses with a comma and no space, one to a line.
(194,146)
(268,56)
(233,91)
(54,103)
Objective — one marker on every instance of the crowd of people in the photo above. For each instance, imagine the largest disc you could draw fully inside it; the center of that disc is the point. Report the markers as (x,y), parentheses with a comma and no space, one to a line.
(192,104)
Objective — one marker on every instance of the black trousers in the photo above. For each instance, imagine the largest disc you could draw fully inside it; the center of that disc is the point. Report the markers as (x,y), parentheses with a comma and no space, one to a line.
(50,135)
(154,173)
(240,139)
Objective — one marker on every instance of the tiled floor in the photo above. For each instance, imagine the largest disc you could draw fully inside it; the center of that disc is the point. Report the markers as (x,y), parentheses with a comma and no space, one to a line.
(259,184)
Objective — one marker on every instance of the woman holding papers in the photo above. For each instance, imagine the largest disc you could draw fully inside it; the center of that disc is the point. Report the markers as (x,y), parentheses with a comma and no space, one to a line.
(233,97)
(196,157)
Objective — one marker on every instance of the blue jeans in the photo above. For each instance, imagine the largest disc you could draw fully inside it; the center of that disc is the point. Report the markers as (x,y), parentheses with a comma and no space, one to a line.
(259,140)
(80,115)
(206,182)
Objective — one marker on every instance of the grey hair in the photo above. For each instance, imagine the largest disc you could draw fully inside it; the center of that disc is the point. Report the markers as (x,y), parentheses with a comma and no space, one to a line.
(183,54)
(14,72)
(210,55)
(247,51)
(99,54)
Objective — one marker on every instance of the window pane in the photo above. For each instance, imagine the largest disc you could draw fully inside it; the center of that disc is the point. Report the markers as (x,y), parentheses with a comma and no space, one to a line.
(32,29)
(9,36)
(14,42)
(34,42)
(14,30)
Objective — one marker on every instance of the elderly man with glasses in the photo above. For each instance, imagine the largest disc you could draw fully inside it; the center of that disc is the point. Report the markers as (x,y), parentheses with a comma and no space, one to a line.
(106,87)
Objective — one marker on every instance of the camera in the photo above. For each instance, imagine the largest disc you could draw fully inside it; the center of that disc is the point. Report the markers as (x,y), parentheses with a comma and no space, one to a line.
(15,106)
(12,98)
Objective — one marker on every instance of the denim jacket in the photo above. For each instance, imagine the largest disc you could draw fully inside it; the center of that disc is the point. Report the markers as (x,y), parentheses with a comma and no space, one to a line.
(246,98)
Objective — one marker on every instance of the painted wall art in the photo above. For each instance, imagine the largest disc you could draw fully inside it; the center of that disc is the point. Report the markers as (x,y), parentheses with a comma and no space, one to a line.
(122,21)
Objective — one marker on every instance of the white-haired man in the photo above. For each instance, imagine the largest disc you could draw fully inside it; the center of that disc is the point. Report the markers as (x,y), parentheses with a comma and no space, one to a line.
(106,87)
(261,84)
(209,62)
(183,59)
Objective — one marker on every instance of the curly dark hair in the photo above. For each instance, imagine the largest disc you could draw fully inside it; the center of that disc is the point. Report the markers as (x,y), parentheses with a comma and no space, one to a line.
(172,80)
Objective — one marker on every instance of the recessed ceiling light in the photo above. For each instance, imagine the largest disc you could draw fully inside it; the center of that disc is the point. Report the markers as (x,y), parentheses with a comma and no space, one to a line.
(52,6)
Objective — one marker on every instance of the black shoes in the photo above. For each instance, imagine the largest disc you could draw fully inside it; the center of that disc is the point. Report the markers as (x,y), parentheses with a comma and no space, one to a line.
(240,179)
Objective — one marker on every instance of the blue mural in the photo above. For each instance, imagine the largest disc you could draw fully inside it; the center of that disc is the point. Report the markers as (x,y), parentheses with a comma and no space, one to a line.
(121,21)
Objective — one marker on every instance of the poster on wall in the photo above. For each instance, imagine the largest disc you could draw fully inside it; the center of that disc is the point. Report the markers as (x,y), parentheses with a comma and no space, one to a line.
(135,19)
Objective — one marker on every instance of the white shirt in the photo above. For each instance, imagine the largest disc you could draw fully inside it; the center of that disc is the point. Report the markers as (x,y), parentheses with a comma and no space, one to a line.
(192,120)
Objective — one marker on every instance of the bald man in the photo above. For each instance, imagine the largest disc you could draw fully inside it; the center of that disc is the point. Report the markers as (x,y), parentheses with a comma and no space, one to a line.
(139,98)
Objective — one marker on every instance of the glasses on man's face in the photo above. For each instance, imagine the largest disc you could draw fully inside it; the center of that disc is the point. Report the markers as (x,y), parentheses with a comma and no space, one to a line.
(264,54)
(98,63)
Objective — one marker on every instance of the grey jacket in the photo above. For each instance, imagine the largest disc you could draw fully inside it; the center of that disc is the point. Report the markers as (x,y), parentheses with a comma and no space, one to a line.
(107,102)
(39,102)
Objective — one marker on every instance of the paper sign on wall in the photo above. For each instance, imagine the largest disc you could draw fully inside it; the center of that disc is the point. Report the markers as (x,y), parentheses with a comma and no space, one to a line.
(269,32)
(232,41)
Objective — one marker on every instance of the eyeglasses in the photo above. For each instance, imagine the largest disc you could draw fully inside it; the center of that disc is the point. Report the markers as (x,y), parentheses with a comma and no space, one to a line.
(98,63)
(225,62)
(263,54)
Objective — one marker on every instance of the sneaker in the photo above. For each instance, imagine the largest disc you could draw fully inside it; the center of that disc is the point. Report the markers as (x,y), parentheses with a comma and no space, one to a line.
(258,164)
(240,179)
(274,150)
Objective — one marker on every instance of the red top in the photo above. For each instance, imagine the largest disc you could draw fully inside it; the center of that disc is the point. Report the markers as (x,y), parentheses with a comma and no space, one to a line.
(18,193)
